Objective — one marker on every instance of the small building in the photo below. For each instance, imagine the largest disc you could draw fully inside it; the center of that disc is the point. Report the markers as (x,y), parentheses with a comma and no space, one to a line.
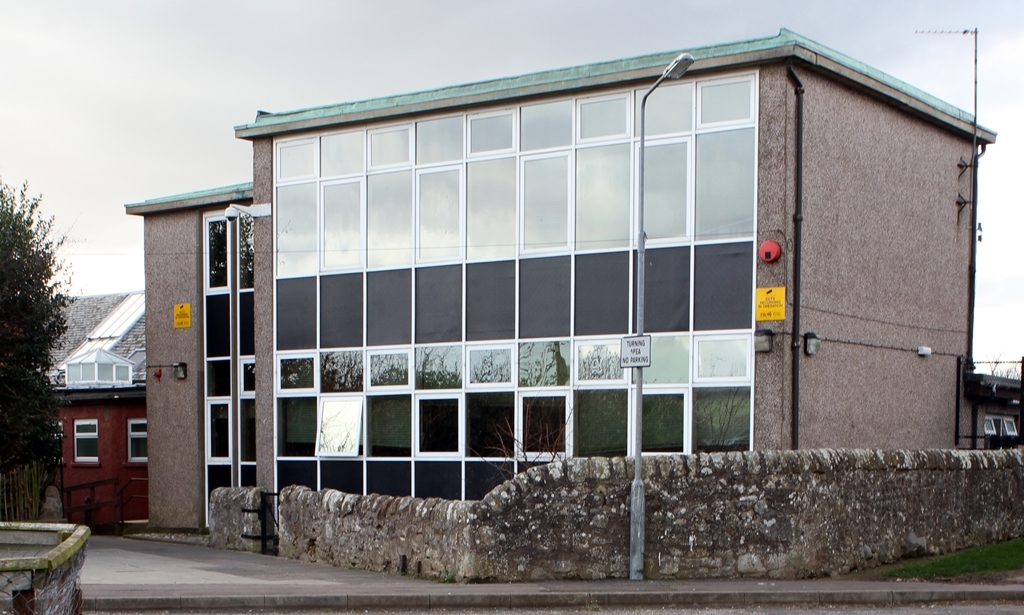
(422,294)
(101,380)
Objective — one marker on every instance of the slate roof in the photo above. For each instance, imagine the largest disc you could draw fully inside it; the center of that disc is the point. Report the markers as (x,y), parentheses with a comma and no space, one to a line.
(83,316)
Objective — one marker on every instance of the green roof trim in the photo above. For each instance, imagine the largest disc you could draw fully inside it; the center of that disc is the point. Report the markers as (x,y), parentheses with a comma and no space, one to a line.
(235,193)
(786,44)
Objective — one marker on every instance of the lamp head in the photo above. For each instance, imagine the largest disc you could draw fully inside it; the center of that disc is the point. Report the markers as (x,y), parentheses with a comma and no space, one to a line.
(678,67)
(231,213)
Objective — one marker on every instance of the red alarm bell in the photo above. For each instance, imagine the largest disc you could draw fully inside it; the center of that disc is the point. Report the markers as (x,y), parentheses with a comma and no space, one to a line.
(769,251)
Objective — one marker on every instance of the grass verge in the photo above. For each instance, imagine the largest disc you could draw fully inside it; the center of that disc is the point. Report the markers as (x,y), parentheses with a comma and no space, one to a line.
(986,559)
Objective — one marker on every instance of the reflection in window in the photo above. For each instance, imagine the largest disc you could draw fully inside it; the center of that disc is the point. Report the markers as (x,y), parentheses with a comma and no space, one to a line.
(295,160)
(389,422)
(544,425)
(391,147)
(248,429)
(669,109)
(439,425)
(600,362)
(341,154)
(389,369)
(663,423)
(219,433)
(665,192)
(670,360)
(600,418)
(724,103)
(490,133)
(439,215)
(248,377)
(296,230)
(490,365)
(491,209)
(721,419)
(218,378)
(217,240)
(439,140)
(724,186)
(340,427)
(341,372)
(603,118)
(439,367)
(490,425)
(602,197)
(545,202)
(722,358)
(296,426)
(246,250)
(548,125)
(543,364)
(389,220)
(342,228)
(297,373)
(138,444)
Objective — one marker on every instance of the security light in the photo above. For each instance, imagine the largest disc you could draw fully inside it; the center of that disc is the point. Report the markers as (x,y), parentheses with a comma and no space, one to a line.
(812,343)
(924,351)
(180,370)
(256,211)
(763,340)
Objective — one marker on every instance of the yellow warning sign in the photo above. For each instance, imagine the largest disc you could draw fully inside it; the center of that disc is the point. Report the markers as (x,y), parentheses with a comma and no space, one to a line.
(771,303)
(182,315)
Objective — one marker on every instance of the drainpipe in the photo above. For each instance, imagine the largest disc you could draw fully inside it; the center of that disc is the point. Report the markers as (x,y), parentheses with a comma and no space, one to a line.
(798,221)
(959,395)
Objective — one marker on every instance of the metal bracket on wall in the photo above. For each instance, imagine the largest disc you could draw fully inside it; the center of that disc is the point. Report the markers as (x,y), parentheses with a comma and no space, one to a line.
(963,165)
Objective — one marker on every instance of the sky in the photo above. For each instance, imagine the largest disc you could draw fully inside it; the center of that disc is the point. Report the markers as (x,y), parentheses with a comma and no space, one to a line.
(112,102)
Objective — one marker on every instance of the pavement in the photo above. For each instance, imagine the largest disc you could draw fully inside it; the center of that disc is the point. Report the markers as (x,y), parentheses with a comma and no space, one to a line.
(122,574)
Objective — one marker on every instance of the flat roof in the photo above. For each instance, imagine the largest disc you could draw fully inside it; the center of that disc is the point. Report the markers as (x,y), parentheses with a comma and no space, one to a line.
(224,195)
(785,45)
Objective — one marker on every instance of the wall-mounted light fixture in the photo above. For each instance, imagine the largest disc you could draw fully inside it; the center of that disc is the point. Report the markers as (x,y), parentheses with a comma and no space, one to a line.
(924,351)
(763,340)
(256,211)
(812,343)
(180,370)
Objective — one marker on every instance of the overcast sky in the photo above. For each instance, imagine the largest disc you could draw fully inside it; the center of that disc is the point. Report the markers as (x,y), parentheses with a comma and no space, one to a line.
(105,103)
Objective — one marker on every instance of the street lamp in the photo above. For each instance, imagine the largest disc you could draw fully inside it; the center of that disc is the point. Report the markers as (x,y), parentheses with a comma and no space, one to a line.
(675,70)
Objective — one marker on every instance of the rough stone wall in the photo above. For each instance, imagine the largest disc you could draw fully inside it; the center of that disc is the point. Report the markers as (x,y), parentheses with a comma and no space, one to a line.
(228,524)
(779,514)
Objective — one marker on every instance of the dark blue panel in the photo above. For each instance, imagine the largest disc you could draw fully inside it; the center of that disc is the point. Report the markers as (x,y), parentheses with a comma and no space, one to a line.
(439,304)
(246,324)
(389,307)
(248,475)
(389,477)
(217,476)
(667,295)
(439,479)
(544,285)
(491,301)
(723,286)
(296,473)
(341,310)
(296,314)
(218,326)
(482,477)
(602,293)
(343,475)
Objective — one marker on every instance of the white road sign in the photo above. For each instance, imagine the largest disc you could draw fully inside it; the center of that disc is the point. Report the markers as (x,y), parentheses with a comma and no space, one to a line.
(636,352)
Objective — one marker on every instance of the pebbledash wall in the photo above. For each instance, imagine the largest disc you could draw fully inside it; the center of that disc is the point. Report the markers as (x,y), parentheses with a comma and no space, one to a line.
(779,514)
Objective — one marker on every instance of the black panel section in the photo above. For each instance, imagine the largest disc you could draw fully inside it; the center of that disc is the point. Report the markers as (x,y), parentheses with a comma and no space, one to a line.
(482,477)
(723,291)
(389,477)
(296,473)
(296,314)
(544,297)
(439,479)
(344,476)
(439,304)
(246,324)
(217,476)
(341,310)
(218,326)
(491,301)
(602,293)
(667,296)
(248,475)
(389,307)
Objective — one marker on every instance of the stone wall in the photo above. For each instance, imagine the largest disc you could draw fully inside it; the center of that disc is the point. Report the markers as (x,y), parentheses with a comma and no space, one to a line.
(780,514)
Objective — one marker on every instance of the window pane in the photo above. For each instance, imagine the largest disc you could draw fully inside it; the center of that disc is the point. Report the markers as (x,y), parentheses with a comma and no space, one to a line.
(722,358)
(669,109)
(88,372)
(439,367)
(74,372)
(217,233)
(721,419)
(122,373)
(490,425)
(603,118)
(439,425)
(490,133)
(249,377)
(600,362)
(545,202)
(218,378)
(86,447)
(219,434)
(602,197)
(543,364)
(724,103)
(85,428)
(663,423)
(137,427)
(138,447)
(439,215)
(296,230)
(546,126)
(389,220)
(439,140)
(105,372)
(389,369)
(296,160)
(670,361)
(341,372)
(389,147)
(491,209)
(491,365)
(342,226)
(665,170)
(341,426)
(246,250)
(297,373)
(248,428)
(390,426)
(296,426)
(600,423)
(725,184)
(544,425)
(341,154)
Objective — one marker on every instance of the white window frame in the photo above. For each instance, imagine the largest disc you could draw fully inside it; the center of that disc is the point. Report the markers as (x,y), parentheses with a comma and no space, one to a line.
(389,388)
(751,118)
(242,391)
(410,159)
(627,133)
(717,381)
(296,392)
(87,436)
(634,217)
(638,95)
(570,209)
(417,245)
(319,154)
(524,455)
(491,386)
(321,230)
(496,153)
(448,394)
(1009,427)
(578,382)
(324,399)
(990,428)
(135,436)
(286,143)
(208,219)
(210,459)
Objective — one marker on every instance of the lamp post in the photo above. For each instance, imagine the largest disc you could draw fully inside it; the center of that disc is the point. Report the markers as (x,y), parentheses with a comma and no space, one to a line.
(675,70)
